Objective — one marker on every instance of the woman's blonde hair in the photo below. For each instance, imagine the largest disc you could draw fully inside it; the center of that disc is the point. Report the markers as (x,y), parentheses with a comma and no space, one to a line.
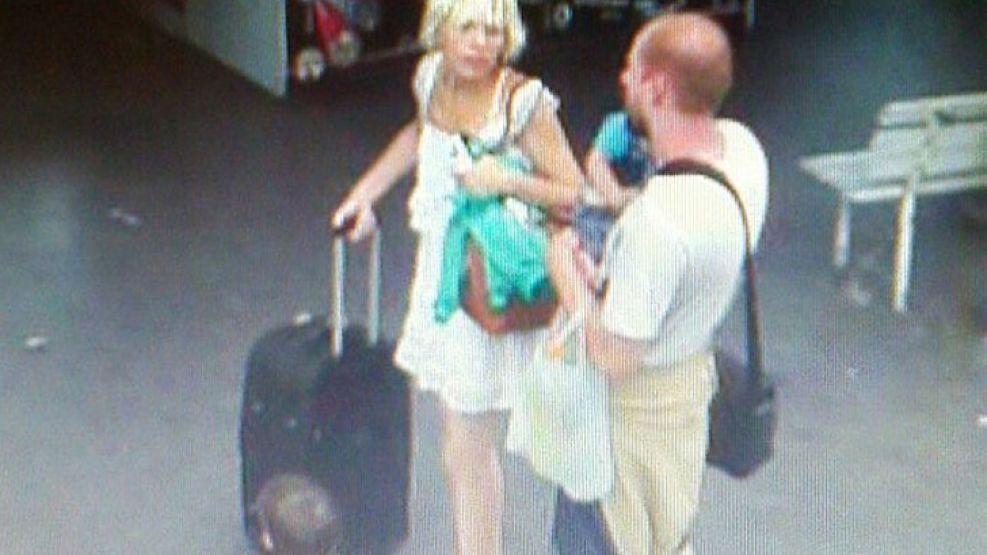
(503,14)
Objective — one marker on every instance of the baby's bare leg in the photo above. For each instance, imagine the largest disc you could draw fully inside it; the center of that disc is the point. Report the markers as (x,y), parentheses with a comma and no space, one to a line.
(561,268)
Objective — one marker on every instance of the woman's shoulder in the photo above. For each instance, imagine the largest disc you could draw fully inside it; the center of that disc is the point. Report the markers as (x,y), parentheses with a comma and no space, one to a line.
(518,82)
(514,78)
(526,94)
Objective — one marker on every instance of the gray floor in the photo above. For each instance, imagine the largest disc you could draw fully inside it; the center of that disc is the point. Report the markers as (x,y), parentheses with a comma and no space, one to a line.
(119,437)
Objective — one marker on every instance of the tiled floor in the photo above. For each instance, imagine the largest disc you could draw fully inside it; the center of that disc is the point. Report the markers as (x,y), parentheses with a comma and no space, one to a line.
(119,437)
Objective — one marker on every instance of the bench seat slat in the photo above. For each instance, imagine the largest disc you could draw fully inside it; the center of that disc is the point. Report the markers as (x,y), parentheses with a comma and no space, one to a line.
(869,177)
(953,136)
(913,112)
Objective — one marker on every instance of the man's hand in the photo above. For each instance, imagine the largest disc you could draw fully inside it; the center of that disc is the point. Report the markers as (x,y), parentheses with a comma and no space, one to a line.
(577,280)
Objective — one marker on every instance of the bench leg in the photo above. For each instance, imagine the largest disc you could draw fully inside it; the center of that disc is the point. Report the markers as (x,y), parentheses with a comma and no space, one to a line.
(903,251)
(841,235)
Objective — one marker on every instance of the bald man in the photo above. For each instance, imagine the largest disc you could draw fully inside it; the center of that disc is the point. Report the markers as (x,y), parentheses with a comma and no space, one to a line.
(671,268)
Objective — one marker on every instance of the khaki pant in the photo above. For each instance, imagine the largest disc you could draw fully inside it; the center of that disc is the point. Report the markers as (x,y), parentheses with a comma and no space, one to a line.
(660,434)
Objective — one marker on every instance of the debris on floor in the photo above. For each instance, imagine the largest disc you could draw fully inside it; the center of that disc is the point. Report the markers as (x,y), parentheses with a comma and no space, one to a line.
(302,319)
(857,294)
(36,343)
(125,218)
(982,421)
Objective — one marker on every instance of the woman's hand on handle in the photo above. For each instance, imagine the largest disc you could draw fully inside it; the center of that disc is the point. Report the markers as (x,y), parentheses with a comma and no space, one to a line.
(355,219)
(355,215)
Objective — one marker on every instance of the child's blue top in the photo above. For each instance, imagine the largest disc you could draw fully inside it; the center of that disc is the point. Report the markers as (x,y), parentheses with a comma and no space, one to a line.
(625,147)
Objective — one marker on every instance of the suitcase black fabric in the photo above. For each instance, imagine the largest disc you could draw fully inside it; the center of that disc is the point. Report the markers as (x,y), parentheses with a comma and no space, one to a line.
(343,422)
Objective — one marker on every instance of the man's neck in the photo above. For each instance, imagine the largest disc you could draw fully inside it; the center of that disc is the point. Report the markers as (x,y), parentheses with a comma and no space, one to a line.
(692,136)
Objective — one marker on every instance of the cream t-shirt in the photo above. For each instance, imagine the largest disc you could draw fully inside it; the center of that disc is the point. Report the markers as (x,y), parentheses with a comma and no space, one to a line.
(675,256)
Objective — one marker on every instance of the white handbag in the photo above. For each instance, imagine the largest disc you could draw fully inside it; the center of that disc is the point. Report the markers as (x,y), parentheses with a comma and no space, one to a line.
(561,421)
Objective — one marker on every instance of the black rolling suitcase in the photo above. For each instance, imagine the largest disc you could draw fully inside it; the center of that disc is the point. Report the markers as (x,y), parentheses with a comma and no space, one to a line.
(331,406)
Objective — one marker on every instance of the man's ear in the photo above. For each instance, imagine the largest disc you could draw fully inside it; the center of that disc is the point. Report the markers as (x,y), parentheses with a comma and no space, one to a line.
(658,86)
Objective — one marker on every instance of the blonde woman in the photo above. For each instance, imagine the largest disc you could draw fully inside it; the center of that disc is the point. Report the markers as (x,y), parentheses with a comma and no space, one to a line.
(464,86)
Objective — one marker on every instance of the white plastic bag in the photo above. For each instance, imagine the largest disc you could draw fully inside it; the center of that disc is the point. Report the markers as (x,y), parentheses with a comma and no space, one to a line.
(561,421)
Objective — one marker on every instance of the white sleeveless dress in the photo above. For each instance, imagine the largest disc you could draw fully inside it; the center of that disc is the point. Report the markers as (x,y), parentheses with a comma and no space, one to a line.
(471,370)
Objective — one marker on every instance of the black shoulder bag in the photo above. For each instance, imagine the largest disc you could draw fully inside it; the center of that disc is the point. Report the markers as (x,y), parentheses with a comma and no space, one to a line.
(742,416)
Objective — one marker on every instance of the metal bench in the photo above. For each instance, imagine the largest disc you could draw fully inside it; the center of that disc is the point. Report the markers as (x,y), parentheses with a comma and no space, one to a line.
(924,146)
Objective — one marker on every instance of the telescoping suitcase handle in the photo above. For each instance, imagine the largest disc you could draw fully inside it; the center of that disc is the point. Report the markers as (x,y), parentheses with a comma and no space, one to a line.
(338,315)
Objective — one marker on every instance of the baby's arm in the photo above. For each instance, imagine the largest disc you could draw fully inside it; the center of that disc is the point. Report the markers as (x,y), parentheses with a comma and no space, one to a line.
(571,287)
(605,182)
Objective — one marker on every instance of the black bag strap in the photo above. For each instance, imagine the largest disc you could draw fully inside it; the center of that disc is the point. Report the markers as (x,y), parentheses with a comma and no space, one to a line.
(511,98)
(502,142)
(755,357)
(509,103)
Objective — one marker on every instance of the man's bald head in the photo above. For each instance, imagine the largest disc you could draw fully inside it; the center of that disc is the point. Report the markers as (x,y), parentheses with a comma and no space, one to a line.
(695,51)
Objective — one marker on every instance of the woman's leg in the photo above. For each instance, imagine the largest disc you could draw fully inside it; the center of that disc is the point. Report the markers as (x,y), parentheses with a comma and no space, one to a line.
(475,480)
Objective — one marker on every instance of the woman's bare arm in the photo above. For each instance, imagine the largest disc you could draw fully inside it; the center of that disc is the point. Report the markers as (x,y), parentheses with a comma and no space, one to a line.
(396,161)
(604,180)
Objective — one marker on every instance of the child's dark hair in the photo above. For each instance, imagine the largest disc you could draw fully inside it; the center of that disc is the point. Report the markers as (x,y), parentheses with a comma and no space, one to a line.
(296,516)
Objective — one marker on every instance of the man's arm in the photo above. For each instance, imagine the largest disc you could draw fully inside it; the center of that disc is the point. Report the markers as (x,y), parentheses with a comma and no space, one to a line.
(621,328)
(616,356)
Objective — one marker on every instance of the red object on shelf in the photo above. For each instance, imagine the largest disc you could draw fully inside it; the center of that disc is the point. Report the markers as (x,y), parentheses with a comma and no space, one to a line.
(330,23)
